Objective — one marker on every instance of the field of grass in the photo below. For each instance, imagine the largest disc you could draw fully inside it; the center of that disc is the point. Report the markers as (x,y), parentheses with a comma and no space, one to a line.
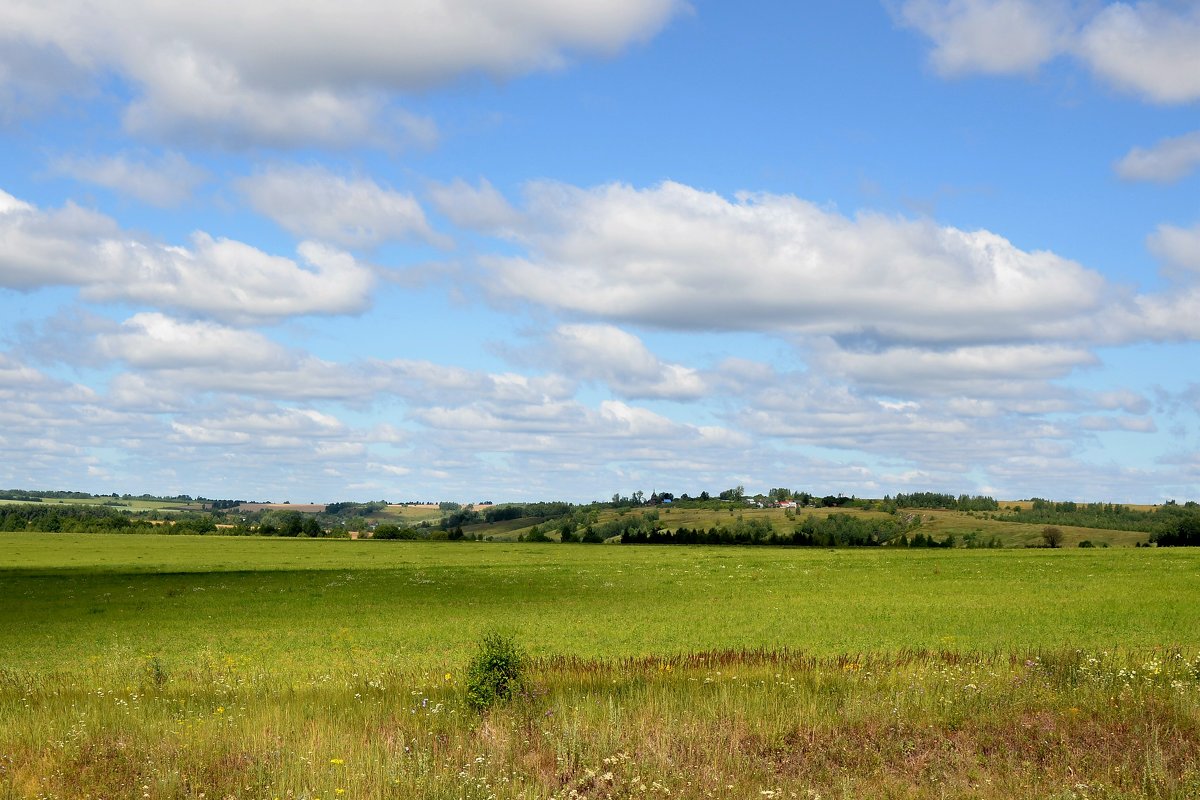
(407,515)
(155,666)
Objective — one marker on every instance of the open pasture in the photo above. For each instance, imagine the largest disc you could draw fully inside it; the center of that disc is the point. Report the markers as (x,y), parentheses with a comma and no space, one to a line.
(176,666)
(303,603)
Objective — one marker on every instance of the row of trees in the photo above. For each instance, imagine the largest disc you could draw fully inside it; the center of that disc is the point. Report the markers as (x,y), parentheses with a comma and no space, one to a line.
(68,519)
(962,502)
(1158,522)
(833,530)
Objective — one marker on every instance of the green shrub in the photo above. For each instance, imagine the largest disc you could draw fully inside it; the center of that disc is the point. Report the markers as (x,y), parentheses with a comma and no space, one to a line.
(495,671)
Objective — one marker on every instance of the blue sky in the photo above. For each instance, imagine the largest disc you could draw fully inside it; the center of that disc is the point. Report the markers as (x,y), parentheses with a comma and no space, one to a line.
(469,250)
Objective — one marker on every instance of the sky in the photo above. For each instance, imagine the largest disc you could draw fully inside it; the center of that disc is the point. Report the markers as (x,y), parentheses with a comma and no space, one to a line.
(469,250)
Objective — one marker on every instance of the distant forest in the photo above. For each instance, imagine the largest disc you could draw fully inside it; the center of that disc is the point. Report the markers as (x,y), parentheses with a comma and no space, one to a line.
(1169,525)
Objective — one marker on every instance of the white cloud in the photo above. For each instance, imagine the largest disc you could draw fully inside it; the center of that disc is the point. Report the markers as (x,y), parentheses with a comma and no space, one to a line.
(1178,248)
(233,281)
(314,203)
(48,248)
(166,181)
(151,340)
(1016,373)
(1111,423)
(424,383)
(988,36)
(677,257)
(1172,316)
(16,375)
(220,278)
(271,428)
(1122,400)
(272,72)
(1166,161)
(201,356)
(480,208)
(1150,49)
(618,358)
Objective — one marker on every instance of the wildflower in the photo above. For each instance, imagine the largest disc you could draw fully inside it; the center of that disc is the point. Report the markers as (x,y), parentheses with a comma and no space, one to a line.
(449,677)
(337,762)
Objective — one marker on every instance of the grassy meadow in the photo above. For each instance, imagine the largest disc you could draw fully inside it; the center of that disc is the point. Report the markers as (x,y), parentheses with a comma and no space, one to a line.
(181,666)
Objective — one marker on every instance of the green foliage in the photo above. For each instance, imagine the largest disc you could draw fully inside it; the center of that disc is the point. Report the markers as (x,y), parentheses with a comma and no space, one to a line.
(1052,536)
(1111,516)
(464,516)
(348,509)
(835,530)
(962,502)
(388,531)
(68,519)
(193,523)
(495,672)
(503,513)
(1182,530)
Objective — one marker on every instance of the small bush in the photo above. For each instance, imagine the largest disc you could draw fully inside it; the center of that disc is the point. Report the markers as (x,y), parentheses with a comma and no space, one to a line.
(495,672)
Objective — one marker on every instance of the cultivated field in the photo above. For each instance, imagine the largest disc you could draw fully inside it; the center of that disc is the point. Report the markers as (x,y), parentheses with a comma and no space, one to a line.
(153,666)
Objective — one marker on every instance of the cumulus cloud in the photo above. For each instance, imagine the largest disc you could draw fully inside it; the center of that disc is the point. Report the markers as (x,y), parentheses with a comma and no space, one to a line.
(271,428)
(619,359)
(270,72)
(202,356)
(1164,162)
(152,340)
(988,36)
(1019,374)
(1110,423)
(672,256)
(676,257)
(168,180)
(233,281)
(1150,49)
(221,278)
(1178,248)
(314,203)
(48,248)
(1123,400)
(479,207)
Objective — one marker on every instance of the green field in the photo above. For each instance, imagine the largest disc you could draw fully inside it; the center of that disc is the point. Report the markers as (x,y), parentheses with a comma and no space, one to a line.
(248,667)
(74,597)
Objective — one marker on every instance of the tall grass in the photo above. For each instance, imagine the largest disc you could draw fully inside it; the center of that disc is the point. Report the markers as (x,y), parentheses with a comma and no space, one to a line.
(755,724)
